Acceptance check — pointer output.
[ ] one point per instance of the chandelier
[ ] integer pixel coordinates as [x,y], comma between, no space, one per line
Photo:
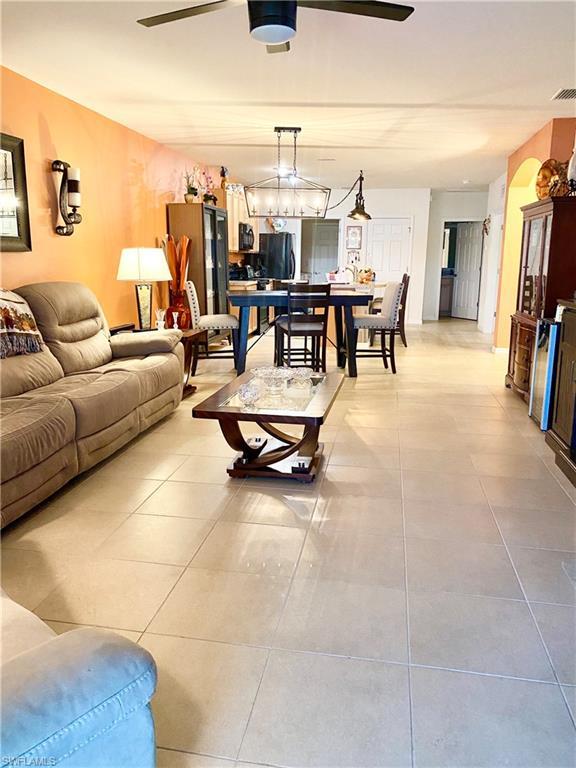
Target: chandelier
[287,195]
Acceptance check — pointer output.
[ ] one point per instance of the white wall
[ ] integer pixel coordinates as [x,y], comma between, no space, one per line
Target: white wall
[491,256]
[446,206]
[392,203]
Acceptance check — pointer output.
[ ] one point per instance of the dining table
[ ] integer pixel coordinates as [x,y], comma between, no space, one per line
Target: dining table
[343,300]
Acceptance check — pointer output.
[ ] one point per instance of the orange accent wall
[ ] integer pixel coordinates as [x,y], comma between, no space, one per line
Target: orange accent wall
[555,139]
[126,181]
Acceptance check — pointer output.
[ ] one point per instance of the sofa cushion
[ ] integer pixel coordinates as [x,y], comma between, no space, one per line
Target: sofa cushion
[26,372]
[32,430]
[71,322]
[155,373]
[24,491]
[98,400]
[21,629]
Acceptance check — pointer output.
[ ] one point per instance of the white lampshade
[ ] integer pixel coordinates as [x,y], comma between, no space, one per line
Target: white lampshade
[143,264]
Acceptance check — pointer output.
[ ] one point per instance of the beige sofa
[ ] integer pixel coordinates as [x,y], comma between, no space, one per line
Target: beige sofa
[80,399]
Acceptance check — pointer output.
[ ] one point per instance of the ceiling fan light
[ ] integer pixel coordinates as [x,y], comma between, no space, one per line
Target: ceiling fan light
[272,22]
[273,34]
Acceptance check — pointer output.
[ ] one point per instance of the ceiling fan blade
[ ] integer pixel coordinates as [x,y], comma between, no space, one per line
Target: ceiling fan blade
[373,8]
[185,13]
[280,48]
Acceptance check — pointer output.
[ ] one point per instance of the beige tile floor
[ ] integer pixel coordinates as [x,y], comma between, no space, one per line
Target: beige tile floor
[416,606]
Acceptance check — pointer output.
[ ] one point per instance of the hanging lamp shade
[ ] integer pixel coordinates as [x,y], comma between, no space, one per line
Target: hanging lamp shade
[359,213]
[287,195]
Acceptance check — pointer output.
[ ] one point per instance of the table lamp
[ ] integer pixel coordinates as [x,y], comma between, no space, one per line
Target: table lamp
[144,266]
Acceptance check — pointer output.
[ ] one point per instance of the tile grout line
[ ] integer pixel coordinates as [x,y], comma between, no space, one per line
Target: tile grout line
[408,641]
[278,622]
[540,635]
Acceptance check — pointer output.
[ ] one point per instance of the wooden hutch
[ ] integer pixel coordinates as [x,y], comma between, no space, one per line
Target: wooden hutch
[547,274]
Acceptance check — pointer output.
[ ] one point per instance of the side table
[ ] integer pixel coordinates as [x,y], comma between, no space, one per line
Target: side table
[192,339]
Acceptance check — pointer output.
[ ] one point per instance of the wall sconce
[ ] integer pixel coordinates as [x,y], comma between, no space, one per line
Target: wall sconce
[68,197]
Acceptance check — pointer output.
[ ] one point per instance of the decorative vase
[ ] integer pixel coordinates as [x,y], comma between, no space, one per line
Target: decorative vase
[189,197]
[178,305]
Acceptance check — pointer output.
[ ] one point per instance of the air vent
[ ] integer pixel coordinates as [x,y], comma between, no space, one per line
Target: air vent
[564,93]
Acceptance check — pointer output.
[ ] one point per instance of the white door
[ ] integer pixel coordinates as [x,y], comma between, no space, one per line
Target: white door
[467,269]
[388,248]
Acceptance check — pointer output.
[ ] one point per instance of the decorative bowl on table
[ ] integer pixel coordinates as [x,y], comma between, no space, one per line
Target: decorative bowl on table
[274,379]
[250,393]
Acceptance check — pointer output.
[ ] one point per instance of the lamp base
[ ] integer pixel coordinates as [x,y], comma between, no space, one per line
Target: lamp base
[144,302]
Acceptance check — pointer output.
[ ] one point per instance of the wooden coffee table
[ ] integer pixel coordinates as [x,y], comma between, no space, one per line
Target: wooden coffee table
[280,455]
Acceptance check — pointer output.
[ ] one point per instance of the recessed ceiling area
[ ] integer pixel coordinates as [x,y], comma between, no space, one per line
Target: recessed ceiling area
[440,98]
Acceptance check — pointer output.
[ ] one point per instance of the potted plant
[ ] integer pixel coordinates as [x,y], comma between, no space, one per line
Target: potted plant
[191,189]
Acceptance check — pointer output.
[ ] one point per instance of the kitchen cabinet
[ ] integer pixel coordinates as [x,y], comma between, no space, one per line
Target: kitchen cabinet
[234,202]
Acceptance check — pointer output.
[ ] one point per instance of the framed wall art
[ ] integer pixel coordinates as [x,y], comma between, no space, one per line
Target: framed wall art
[14,218]
[353,238]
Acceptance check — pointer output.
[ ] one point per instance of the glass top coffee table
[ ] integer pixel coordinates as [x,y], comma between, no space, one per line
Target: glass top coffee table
[279,455]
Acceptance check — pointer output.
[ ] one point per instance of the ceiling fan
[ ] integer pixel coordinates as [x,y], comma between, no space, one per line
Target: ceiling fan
[273,22]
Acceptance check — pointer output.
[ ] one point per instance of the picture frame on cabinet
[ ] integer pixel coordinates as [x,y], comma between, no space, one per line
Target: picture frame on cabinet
[14,217]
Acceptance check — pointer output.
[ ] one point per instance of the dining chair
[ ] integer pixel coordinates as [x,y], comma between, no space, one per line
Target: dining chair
[306,318]
[216,322]
[377,303]
[386,322]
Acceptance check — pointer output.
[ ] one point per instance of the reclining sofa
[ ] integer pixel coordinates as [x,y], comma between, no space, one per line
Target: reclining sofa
[80,699]
[83,396]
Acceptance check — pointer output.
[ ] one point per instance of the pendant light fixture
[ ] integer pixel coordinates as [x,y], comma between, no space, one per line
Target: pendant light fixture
[286,195]
[359,212]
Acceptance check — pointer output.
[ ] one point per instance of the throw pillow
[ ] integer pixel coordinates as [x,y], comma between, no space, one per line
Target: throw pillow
[19,334]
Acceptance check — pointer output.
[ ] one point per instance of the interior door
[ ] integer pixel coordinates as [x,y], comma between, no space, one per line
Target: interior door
[467,269]
[388,249]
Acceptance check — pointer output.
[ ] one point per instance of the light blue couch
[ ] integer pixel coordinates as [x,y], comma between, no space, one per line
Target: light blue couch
[78,699]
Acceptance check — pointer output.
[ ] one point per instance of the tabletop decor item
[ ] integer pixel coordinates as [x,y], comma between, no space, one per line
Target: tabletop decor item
[160,319]
[191,193]
[143,266]
[551,180]
[14,222]
[249,393]
[177,258]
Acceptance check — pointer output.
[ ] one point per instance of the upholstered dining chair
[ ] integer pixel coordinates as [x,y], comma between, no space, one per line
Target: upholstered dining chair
[386,322]
[306,318]
[375,308]
[218,322]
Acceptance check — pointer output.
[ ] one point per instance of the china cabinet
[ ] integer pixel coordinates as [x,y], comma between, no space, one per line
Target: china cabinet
[547,274]
[207,228]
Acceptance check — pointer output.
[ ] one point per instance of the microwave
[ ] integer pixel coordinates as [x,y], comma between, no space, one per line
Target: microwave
[245,237]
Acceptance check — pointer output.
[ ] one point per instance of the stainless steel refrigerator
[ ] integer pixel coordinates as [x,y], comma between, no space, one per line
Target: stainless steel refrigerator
[276,256]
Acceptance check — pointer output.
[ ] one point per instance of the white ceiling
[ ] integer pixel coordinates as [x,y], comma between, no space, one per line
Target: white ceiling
[442,97]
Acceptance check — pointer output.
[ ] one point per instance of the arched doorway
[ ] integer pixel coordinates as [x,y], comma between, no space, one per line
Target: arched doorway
[521,191]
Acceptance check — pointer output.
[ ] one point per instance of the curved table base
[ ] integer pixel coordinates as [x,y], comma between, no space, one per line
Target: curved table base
[286,455]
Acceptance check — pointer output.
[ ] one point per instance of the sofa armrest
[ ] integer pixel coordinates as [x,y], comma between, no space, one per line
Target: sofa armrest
[145,343]
[60,696]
